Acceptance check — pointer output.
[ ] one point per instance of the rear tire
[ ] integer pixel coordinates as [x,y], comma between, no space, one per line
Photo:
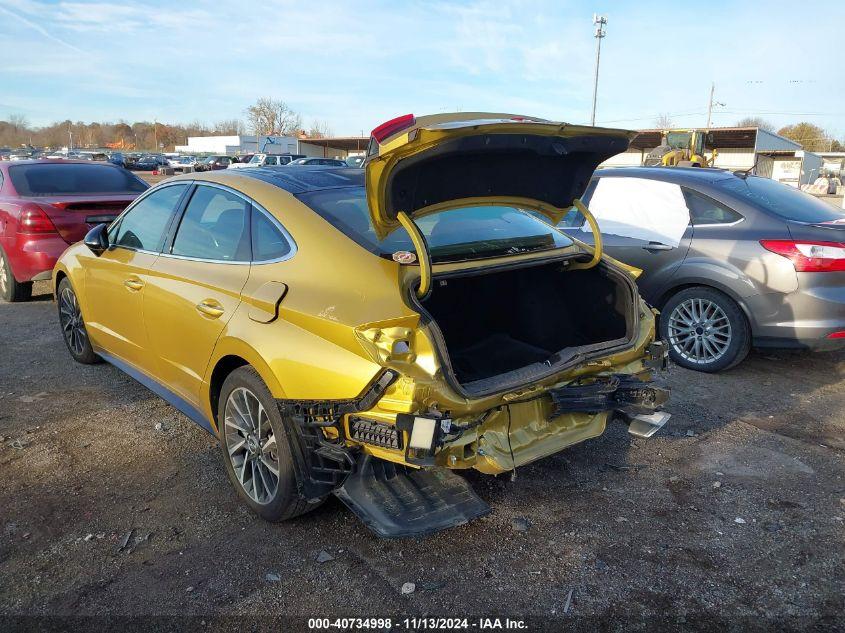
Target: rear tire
[254,442]
[74,332]
[705,329]
[12,290]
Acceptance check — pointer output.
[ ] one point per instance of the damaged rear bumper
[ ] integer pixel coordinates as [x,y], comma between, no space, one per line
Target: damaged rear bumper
[627,394]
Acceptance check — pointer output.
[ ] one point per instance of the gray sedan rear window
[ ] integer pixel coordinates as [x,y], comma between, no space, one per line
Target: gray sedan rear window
[783,200]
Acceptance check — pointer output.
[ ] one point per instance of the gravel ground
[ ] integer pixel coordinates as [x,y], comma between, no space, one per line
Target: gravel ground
[114,504]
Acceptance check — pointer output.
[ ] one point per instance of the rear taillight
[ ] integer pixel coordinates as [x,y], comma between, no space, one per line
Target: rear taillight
[836,335]
[809,257]
[34,220]
[388,128]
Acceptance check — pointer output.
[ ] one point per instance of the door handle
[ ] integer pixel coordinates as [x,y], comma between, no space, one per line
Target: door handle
[210,308]
[657,246]
[133,283]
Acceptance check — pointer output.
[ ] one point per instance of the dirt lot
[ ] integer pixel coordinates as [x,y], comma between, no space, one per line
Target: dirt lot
[734,513]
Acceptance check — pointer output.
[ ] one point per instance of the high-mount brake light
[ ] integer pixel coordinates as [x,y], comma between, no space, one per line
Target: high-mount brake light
[389,128]
[34,220]
[809,257]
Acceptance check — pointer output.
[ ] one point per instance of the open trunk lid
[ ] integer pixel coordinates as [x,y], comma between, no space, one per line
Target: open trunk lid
[419,166]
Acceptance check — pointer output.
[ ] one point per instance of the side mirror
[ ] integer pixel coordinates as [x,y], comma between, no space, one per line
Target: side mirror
[97,239]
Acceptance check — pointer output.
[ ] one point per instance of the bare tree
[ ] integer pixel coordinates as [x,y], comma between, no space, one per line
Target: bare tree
[229,126]
[18,122]
[756,121]
[273,117]
[663,122]
[320,129]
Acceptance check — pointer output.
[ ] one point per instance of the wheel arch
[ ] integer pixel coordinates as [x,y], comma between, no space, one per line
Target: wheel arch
[57,279]
[229,355]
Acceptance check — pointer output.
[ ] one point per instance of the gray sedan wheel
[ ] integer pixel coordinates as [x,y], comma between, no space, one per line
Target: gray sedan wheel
[705,330]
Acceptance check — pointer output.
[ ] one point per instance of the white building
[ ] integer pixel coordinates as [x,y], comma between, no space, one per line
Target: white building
[243,144]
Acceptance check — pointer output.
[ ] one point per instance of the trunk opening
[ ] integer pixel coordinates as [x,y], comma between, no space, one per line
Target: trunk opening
[509,326]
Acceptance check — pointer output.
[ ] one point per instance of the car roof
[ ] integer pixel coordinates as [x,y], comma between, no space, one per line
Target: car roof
[679,175]
[300,180]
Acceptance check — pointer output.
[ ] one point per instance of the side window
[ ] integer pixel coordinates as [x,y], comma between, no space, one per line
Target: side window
[213,227]
[144,225]
[705,210]
[573,218]
[268,242]
[641,209]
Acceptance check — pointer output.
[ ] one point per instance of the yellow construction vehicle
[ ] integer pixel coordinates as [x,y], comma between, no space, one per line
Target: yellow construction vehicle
[683,148]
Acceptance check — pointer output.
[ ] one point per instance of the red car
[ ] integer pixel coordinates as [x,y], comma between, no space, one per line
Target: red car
[45,205]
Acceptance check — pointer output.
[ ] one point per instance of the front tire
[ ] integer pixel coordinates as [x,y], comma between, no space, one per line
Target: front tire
[256,452]
[73,326]
[11,290]
[705,329]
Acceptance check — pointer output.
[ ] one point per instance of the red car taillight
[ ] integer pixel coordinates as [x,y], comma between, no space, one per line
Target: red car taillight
[809,257]
[388,128]
[34,220]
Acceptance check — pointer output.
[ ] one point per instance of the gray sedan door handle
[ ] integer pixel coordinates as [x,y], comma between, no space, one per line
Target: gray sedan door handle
[657,246]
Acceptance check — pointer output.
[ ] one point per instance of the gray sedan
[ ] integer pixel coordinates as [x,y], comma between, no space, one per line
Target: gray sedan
[731,260]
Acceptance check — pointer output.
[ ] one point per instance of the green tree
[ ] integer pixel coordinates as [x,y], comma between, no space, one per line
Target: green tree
[812,137]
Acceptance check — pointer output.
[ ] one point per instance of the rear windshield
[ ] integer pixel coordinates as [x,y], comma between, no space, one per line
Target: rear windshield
[73,179]
[783,200]
[459,234]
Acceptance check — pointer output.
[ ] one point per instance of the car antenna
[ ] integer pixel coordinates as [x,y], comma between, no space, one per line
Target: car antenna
[744,173]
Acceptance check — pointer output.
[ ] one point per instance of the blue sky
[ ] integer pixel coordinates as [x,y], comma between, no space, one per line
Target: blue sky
[355,64]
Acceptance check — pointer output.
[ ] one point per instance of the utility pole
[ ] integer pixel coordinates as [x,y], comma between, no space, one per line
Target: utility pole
[70,138]
[712,103]
[155,134]
[600,21]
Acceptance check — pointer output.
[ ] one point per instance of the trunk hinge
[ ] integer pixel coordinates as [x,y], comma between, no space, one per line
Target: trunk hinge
[421,246]
[594,227]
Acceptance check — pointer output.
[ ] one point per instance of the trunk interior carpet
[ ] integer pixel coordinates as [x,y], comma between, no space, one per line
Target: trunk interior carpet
[394,501]
[496,354]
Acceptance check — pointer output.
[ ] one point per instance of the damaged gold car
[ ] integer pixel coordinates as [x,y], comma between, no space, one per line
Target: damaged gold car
[364,333]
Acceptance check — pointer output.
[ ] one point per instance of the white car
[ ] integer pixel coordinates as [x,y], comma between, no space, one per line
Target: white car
[264,160]
[179,163]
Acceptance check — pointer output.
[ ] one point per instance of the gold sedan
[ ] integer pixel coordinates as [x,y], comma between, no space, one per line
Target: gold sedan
[365,333]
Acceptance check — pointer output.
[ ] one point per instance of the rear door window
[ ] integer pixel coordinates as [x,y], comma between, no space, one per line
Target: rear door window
[640,208]
[268,241]
[144,225]
[214,227]
[706,211]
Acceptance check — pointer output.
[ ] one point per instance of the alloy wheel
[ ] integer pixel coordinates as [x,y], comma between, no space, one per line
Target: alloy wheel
[251,445]
[73,327]
[699,331]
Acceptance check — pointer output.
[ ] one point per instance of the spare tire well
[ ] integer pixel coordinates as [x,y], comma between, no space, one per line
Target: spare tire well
[222,369]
